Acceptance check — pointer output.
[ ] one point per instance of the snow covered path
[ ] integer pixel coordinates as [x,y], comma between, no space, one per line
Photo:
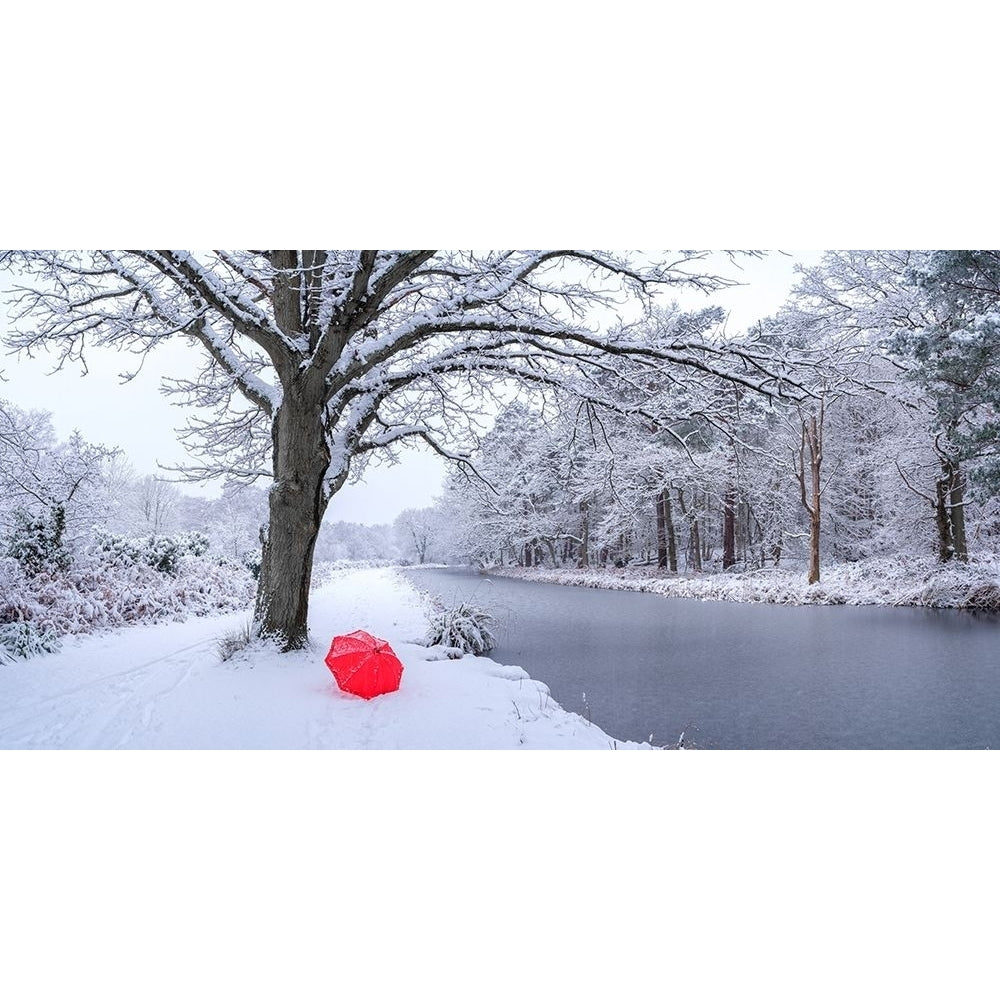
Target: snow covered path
[164,687]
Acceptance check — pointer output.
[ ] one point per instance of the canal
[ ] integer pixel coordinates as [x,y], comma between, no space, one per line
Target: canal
[749,676]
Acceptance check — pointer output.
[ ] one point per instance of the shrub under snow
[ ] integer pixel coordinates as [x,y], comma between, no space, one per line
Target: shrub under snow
[163,552]
[26,639]
[465,626]
[36,541]
[96,593]
[236,640]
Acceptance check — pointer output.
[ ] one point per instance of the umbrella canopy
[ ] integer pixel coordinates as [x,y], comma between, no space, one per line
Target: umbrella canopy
[364,665]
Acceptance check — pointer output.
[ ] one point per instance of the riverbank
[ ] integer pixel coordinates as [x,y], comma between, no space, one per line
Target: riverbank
[165,686]
[915,583]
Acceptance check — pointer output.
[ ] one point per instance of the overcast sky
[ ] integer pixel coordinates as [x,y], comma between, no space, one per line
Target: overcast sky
[137,418]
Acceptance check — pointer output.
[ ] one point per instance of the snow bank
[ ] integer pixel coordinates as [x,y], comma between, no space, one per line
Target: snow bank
[163,686]
[919,583]
[326,570]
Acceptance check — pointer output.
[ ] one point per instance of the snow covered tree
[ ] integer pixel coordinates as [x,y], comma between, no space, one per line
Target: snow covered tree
[58,482]
[418,531]
[352,542]
[314,359]
[154,502]
[933,314]
[513,491]
[958,356]
[809,461]
[236,521]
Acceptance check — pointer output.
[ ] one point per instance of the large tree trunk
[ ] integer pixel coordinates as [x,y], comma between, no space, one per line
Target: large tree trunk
[296,506]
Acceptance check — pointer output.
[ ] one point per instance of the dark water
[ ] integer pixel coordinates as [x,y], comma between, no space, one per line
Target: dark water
[748,676]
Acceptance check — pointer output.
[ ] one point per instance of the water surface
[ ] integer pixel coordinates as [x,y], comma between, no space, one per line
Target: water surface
[732,675]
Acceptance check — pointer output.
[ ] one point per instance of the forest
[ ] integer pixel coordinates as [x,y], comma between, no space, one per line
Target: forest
[854,429]
[893,455]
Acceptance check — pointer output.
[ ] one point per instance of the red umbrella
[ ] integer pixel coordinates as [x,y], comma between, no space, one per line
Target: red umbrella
[364,665]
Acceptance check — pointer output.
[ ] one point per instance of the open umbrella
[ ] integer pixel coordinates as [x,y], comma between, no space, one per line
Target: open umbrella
[364,665]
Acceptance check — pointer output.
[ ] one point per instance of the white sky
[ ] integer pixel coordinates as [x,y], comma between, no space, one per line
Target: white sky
[136,417]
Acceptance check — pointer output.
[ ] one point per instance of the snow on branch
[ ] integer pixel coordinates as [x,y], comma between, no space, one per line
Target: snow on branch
[256,390]
[393,335]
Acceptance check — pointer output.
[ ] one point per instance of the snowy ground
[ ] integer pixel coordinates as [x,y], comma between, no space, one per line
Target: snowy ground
[164,687]
[916,582]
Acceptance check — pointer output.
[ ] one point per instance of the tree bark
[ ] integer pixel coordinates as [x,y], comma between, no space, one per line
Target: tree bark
[956,508]
[584,560]
[661,532]
[729,528]
[296,505]
[814,525]
[949,511]
[812,438]
[946,547]
[624,549]
[668,518]
[552,551]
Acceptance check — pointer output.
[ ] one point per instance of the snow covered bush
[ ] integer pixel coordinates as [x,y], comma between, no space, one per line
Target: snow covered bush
[21,640]
[162,552]
[194,543]
[36,541]
[469,628]
[101,591]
